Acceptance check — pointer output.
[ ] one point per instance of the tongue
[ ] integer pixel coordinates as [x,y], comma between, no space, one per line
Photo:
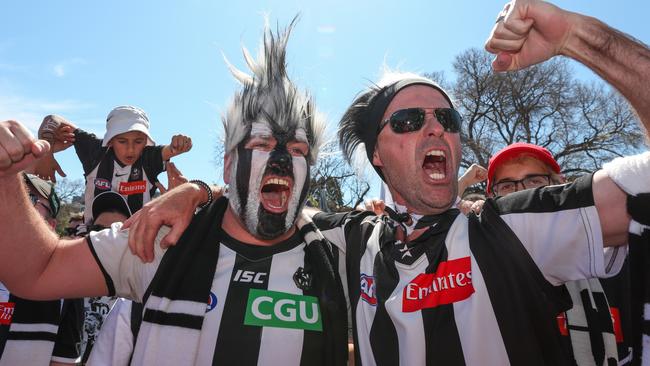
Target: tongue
[434,166]
[276,198]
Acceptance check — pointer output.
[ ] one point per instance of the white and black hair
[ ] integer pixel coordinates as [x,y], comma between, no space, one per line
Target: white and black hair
[268,95]
[359,126]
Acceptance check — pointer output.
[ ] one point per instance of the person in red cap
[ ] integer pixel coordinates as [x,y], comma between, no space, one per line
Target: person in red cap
[521,166]
[596,327]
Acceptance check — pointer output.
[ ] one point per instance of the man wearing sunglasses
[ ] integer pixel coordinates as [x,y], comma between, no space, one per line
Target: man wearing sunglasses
[429,286]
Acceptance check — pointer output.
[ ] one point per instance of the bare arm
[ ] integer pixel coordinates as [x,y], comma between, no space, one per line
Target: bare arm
[473,175]
[179,145]
[35,263]
[612,211]
[175,209]
[533,31]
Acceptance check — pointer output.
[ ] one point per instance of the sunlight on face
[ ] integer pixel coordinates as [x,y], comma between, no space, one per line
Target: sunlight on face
[128,146]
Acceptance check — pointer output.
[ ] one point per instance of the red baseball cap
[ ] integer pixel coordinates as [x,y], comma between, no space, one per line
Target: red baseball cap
[515,149]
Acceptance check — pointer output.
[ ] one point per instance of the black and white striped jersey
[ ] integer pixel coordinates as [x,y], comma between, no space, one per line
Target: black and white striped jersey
[103,172]
[256,312]
[39,332]
[475,291]
[114,343]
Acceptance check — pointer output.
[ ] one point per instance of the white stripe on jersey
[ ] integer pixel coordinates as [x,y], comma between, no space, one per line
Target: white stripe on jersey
[274,339]
[34,327]
[212,320]
[175,306]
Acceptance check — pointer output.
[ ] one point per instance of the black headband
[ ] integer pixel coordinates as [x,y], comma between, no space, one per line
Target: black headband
[377,107]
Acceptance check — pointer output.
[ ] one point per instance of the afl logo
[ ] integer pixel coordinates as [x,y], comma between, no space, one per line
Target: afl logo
[103,184]
[212,302]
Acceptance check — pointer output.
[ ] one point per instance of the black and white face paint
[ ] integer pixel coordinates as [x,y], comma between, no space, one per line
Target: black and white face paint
[268,186]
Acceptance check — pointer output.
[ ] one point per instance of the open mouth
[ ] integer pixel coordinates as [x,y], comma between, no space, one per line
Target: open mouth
[275,194]
[435,164]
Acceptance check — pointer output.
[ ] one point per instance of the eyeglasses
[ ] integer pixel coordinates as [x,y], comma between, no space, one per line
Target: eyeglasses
[52,210]
[412,119]
[505,187]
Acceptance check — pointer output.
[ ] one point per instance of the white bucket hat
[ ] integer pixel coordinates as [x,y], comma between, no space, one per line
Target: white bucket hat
[126,118]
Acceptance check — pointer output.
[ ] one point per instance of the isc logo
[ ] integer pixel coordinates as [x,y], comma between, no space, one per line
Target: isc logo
[282,310]
[249,276]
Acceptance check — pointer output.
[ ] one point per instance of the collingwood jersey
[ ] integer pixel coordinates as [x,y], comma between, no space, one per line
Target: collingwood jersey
[474,291]
[257,312]
[103,172]
[38,332]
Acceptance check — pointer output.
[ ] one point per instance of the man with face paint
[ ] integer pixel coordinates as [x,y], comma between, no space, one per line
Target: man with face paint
[253,281]
[430,286]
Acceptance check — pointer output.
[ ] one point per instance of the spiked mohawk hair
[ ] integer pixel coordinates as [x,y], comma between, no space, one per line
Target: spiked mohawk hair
[268,95]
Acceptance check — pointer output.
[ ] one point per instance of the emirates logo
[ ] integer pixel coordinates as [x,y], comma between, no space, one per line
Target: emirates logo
[452,282]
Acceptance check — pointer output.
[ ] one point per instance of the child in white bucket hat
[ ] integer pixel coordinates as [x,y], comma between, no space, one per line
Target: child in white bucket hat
[126,160]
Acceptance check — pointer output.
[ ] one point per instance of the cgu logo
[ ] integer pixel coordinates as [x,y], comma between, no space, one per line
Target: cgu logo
[249,276]
[282,310]
[368,289]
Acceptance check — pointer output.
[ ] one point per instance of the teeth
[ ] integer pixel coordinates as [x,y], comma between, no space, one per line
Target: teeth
[279,181]
[436,153]
[284,198]
[437,175]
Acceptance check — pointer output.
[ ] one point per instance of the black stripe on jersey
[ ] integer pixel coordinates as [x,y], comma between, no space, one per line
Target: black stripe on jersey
[70,330]
[32,336]
[232,331]
[639,261]
[443,345]
[520,295]
[4,334]
[599,320]
[313,341]
[383,336]
[549,199]
[173,319]
[107,278]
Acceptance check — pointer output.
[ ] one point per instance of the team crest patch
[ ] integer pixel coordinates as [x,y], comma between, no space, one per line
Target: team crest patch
[6,312]
[103,184]
[451,282]
[302,279]
[212,302]
[367,284]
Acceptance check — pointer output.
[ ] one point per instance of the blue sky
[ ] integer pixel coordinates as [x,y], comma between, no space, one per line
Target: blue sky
[80,59]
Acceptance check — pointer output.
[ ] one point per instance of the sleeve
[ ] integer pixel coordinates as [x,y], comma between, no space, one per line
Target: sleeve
[68,339]
[124,273]
[114,345]
[88,148]
[152,161]
[336,227]
[560,228]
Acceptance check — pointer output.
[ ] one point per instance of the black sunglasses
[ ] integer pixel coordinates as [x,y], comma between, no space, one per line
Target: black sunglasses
[412,119]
